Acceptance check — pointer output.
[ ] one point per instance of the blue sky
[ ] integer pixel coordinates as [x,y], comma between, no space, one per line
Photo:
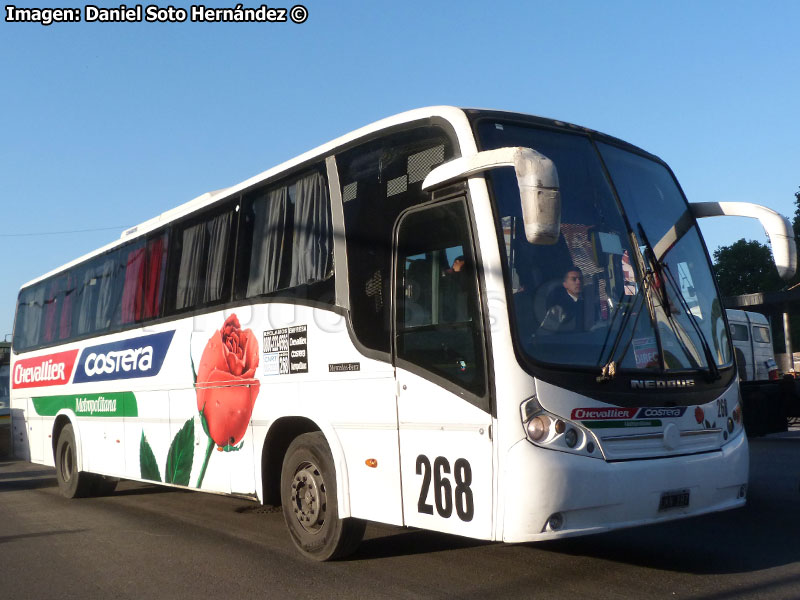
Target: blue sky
[106,125]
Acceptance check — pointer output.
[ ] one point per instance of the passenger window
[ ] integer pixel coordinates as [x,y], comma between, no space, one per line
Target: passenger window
[379,180]
[761,334]
[438,320]
[286,239]
[202,261]
[739,332]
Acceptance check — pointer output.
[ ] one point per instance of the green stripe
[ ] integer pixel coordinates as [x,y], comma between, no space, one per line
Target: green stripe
[621,424]
[112,404]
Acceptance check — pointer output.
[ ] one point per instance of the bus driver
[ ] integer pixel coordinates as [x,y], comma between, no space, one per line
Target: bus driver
[566,308]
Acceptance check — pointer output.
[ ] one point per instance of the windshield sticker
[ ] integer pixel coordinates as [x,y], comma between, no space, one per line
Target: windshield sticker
[645,351]
[628,275]
[126,359]
[114,404]
[688,290]
[610,243]
[51,369]
[285,351]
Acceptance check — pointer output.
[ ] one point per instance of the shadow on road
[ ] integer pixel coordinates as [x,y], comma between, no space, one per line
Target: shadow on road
[411,542]
[13,538]
[144,489]
[18,474]
[17,485]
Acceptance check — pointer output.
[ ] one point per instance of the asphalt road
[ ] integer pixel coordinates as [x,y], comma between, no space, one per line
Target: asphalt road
[151,542]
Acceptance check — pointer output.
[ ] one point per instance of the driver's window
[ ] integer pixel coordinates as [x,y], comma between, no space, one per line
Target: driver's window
[438,323]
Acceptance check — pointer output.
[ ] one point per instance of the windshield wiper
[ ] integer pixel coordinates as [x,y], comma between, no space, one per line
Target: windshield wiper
[609,369]
[660,271]
[713,369]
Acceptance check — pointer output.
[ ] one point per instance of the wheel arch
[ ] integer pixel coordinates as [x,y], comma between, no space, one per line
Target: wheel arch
[281,433]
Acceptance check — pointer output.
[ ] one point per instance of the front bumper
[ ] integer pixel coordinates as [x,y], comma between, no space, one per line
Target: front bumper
[592,495]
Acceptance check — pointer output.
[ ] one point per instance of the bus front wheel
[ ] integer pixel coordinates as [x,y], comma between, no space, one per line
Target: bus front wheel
[309,501]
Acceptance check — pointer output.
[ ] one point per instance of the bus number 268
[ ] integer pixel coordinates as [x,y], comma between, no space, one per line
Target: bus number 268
[445,496]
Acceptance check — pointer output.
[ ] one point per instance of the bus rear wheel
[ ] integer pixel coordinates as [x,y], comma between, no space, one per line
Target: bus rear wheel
[310,503]
[74,483]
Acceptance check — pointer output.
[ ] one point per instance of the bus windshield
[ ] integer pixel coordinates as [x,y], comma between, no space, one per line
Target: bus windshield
[628,283]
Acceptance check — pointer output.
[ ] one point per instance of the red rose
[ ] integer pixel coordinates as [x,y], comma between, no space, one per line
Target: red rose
[226,384]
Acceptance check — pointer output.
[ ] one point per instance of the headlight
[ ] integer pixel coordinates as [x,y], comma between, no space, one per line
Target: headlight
[547,430]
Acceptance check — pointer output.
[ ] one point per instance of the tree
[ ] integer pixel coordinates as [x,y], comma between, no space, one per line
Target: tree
[746,267]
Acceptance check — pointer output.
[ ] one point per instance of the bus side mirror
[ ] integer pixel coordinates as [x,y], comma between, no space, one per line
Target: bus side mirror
[537,179]
[777,227]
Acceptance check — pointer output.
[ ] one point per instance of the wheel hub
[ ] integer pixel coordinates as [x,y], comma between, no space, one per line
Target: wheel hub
[309,498]
[66,462]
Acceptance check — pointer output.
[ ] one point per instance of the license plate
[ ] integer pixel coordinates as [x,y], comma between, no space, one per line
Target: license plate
[677,499]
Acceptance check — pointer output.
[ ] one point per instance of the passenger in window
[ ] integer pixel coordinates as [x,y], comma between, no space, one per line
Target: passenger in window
[455,289]
[458,266]
[566,307]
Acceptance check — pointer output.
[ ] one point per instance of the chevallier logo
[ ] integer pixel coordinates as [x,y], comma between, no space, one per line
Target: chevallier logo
[41,371]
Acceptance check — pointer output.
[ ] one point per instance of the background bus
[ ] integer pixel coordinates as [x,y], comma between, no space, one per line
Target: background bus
[5,400]
[467,321]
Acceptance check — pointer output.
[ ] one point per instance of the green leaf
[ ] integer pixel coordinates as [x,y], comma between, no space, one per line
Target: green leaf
[147,461]
[203,422]
[181,455]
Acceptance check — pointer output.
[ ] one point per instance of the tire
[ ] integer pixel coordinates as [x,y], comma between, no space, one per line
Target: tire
[310,503]
[71,482]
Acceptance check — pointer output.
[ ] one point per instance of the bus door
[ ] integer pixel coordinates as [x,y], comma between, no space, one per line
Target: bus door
[443,411]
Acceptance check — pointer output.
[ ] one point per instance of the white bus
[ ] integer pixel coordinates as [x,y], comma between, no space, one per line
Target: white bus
[481,323]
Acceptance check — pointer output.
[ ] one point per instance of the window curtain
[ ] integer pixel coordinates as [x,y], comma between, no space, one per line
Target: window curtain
[53,301]
[192,255]
[219,232]
[312,240]
[154,278]
[268,244]
[204,257]
[105,294]
[65,326]
[132,286]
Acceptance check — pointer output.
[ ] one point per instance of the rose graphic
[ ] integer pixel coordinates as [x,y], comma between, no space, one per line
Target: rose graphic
[226,387]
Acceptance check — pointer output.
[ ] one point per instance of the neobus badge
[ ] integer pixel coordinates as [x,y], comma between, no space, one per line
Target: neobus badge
[126,359]
[51,369]
[652,384]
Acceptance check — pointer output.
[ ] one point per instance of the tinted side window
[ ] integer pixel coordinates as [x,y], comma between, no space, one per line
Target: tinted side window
[201,260]
[379,180]
[739,332]
[761,334]
[142,280]
[438,313]
[286,238]
[29,317]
